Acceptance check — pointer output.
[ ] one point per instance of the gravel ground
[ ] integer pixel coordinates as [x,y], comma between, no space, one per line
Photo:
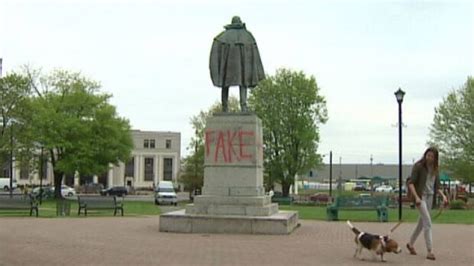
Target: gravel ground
[137,241]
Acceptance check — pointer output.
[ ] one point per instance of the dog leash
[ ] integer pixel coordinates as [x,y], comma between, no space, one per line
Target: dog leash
[396,226]
[440,211]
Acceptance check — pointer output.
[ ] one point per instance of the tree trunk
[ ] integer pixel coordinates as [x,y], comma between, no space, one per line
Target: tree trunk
[58,179]
[285,187]
[287,183]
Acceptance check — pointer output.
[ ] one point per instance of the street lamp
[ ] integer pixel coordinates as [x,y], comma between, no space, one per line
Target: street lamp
[41,176]
[330,174]
[195,160]
[399,95]
[10,123]
[11,159]
[330,171]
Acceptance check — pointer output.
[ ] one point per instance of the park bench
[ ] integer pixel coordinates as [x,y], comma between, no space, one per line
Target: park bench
[19,202]
[359,203]
[99,203]
[282,200]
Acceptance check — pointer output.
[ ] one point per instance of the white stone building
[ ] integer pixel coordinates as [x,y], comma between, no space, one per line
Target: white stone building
[155,156]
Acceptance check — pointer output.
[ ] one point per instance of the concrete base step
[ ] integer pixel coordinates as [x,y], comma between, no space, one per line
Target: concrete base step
[283,222]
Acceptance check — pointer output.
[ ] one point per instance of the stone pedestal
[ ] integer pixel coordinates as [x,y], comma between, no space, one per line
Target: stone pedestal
[233,195]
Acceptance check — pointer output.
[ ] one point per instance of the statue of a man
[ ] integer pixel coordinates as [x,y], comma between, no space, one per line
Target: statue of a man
[235,61]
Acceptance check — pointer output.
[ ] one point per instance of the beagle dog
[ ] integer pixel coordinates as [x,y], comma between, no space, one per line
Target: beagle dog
[376,244]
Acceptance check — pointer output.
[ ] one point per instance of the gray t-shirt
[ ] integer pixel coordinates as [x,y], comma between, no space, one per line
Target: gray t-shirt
[429,185]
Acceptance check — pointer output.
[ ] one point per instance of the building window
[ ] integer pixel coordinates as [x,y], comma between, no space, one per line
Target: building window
[24,171]
[69,180]
[168,144]
[130,168]
[45,170]
[86,179]
[6,168]
[168,169]
[145,143]
[149,169]
[310,173]
[152,143]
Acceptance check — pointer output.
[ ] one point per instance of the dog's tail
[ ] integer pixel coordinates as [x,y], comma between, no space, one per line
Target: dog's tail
[355,230]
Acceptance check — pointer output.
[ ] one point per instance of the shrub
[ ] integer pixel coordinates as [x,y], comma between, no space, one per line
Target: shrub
[457,205]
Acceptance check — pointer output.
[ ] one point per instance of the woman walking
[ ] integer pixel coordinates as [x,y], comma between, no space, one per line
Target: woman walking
[423,185]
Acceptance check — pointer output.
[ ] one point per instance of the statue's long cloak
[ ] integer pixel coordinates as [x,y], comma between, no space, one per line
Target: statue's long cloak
[235,60]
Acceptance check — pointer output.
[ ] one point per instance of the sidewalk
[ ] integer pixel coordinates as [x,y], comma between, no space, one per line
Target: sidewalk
[137,241]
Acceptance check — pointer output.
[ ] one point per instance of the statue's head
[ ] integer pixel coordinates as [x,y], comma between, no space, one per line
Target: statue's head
[236,24]
[236,20]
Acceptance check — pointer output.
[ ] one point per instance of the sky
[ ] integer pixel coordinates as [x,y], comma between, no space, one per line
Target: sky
[153,57]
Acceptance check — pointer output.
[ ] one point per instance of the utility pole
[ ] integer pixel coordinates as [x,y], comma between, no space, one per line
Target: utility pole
[340,175]
[41,176]
[330,174]
[371,166]
[11,160]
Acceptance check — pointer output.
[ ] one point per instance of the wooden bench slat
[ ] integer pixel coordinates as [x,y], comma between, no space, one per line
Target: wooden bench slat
[19,202]
[99,203]
[358,203]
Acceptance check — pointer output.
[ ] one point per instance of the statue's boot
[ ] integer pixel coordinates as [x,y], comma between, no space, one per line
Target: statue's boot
[225,99]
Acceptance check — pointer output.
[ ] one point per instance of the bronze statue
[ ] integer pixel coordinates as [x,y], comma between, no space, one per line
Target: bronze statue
[235,61]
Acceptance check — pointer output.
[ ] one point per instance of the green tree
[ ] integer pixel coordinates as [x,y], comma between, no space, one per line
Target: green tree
[74,121]
[452,131]
[193,174]
[291,109]
[14,92]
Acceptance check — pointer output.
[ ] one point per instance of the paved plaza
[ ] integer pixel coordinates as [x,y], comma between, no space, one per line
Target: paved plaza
[137,241]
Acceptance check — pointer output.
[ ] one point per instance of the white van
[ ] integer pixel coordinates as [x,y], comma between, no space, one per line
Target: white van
[164,193]
[5,183]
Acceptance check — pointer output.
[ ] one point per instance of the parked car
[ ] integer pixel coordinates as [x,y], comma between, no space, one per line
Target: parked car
[67,191]
[360,187]
[48,192]
[114,191]
[320,198]
[404,191]
[164,193]
[5,183]
[384,188]
[94,188]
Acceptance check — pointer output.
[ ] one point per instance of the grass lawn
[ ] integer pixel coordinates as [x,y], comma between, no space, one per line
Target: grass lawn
[48,210]
[408,215]
[141,208]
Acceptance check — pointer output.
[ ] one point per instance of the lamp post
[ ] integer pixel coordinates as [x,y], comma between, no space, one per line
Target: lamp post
[330,174]
[41,175]
[11,160]
[399,95]
[195,161]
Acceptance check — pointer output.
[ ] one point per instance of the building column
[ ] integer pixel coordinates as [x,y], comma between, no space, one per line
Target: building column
[49,173]
[76,179]
[141,177]
[110,175]
[296,184]
[160,167]
[136,170]
[156,170]
[175,168]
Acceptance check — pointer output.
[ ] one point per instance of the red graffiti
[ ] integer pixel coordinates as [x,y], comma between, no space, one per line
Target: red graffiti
[231,145]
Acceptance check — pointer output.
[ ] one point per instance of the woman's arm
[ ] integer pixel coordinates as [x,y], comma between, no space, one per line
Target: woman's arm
[412,189]
[445,199]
